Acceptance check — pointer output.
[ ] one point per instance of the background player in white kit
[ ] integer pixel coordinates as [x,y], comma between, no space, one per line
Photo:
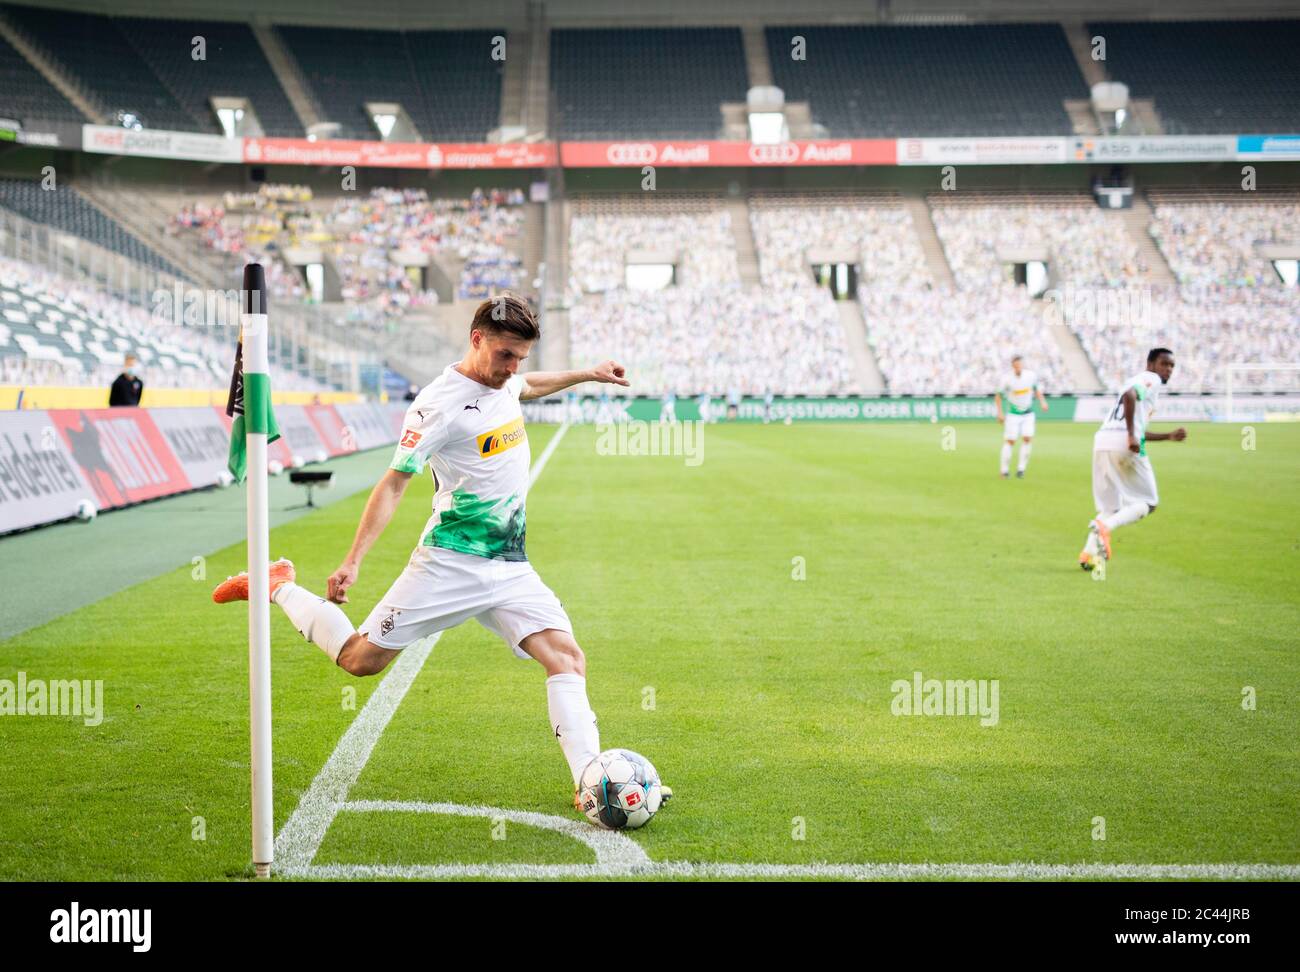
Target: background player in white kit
[470,561]
[1019,388]
[1123,482]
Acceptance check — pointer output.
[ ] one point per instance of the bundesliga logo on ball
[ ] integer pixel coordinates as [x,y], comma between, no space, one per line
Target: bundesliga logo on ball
[620,790]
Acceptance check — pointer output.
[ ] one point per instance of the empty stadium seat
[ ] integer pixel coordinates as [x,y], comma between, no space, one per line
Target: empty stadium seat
[645,82]
[877,81]
[1208,77]
[445,79]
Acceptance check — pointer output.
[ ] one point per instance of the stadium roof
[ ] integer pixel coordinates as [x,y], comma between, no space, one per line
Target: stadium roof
[576,13]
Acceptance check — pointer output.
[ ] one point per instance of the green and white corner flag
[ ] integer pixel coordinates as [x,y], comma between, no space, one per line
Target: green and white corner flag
[249,403]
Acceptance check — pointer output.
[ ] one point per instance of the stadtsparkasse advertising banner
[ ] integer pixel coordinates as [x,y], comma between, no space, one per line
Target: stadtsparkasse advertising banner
[399,155]
[847,151]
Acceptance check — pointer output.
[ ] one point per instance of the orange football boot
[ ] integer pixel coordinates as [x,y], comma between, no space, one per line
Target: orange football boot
[236,588]
[1103,537]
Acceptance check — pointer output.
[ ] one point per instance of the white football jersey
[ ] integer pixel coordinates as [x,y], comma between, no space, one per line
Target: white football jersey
[1018,391]
[1113,434]
[473,439]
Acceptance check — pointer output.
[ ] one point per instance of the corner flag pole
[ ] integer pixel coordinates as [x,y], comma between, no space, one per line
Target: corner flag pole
[253,324]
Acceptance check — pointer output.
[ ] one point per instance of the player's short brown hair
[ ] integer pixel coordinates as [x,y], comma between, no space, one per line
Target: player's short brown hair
[506,314]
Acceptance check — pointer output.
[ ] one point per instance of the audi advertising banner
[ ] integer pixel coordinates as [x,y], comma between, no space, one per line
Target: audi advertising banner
[851,151]
[39,480]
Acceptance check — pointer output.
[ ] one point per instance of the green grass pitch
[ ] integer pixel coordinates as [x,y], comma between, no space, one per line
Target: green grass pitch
[765,700]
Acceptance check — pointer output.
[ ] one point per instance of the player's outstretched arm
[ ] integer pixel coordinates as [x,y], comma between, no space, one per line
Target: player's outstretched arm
[539,384]
[1042,402]
[1129,404]
[378,512]
[1177,435]
[997,405]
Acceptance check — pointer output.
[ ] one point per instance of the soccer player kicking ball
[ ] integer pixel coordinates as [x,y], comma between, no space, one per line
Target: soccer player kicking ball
[1123,482]
[470,563]
[1019,387]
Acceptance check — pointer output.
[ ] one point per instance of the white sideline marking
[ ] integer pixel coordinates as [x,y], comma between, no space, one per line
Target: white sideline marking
[301,836]
[839,872]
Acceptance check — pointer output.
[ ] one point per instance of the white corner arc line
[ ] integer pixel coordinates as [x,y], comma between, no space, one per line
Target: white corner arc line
[303,832]
[614,851]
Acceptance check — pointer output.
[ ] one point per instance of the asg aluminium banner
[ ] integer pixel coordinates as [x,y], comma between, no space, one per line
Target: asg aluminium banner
[1155,148]
[39,480]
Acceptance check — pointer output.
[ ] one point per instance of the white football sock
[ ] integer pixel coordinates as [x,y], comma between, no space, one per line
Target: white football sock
[318,620]
[1125,515]
[1025,447]
[572,721]
[1006,456]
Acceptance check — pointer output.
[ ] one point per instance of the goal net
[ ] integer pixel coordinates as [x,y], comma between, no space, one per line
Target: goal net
[1262,392]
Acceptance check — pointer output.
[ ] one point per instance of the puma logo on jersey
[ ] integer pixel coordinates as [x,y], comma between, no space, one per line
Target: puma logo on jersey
[500,439]
[474,407]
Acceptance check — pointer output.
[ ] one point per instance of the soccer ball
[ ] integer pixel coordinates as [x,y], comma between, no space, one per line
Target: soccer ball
[620,790]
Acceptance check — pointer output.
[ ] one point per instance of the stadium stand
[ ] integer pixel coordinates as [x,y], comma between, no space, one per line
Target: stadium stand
[53,331]
[876,81]
[716,339]
[25,94]
[1082,245]
[952,341]
[445,79]
[96,51]
[234,66]
[646,82]
[1210,238]
[480,234]
[872,227]
[65,209]
[706,333]
[1210,76]
[693,231]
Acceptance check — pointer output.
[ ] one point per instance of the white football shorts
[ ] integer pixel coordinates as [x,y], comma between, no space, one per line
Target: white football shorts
[1018,426]
[441,588]
[1121,478]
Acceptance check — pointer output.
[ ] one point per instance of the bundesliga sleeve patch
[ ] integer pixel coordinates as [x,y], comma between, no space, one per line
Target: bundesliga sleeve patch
[410,438]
